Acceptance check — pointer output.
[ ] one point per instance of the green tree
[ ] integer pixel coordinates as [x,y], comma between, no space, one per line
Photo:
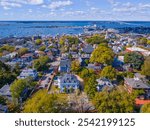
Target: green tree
[90,86]
[38,42]
[103,55]
[148,42]
[65,89]
[145,108]
[18,86]
[146,67]
[71,40]
[7,48]
[115,101]
[2,100]
[42,48]
[7,75]
[109,72]
[142,41]
[86,73]
[96,39]
[22,51]
[41,63]
[42,102]
[135,59]
[75,66]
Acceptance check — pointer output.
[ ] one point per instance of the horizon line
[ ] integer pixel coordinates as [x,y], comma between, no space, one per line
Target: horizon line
[74,20]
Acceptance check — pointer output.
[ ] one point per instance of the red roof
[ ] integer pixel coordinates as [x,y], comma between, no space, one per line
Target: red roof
[141,102]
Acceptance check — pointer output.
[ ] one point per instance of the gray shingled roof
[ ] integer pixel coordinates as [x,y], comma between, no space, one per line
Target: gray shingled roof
[65,63]
[136,84]
[88,49]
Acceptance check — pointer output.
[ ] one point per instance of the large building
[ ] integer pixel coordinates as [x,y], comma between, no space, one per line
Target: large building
[68,82]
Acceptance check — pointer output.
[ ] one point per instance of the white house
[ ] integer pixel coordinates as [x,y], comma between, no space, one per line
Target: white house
[68,82]
[28,73]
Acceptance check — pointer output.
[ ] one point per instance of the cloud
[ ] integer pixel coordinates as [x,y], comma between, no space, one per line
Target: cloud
[8,4]
[144,6]
[35,2]
[131,8]
[125,7]
[58,4]
[113,2]
[30,10]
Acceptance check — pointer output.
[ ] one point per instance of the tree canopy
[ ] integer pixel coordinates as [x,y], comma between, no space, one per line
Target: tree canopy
[42,102]
[75,66]
[38,42]
[7,48]
[103,55]
[7,75]
[70,39]
[146,67]
[115,101]
[96,39]
[135,59]
[42,48]
[145,108]
[143,41]
[22,51]
[18,86]
[90,86]
[109,72]
[2,100]
[41,63]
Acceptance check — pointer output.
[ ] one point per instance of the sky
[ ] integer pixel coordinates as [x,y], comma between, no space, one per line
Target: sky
[53,10]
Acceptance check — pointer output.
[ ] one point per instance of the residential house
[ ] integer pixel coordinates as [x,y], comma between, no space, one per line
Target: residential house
[104,83]
[137,83]
[5,91]
[65,65]
[95,67]
[27,57]
[68,82]
[10,55]
[88,49]
[28,73]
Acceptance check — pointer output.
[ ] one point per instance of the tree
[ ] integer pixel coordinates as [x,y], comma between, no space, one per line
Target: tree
[96,39]
[146,67]
[71,40]
[115,101]
[41,63]
[86,73]
[7,48]
[103,55]
[90,86]
[148,42]
[135,59]
[42,48]
[22,51]
[7,75]
[18,86]
[109,72]
[75,66]
[42,102]
[38,42]
[145,108]
[142,41]
[2,100]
